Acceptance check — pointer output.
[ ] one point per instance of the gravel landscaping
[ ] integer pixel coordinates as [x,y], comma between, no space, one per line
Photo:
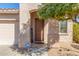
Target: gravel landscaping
[64,49]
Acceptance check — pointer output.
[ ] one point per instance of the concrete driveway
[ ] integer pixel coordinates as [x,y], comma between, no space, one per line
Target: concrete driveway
[8,51]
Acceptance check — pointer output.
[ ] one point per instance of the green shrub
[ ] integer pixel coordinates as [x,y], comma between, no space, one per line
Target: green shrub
[76,32]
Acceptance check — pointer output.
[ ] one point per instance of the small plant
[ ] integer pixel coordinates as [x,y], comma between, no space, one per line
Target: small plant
[76,32]
[60,49]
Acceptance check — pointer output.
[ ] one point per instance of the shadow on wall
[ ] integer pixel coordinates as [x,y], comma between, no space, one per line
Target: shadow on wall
[53,32]
[17,31]
[16,35]
[23,36]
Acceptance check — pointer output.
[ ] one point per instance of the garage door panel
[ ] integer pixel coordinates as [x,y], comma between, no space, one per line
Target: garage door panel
[7,34]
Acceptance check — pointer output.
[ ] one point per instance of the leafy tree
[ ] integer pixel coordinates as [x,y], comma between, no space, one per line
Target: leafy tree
[58,11]
[76,32]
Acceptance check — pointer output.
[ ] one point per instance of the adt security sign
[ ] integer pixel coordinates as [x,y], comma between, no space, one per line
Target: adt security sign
[27,45]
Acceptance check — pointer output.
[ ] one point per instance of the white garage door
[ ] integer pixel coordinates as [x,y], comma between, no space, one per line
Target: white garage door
[7,34]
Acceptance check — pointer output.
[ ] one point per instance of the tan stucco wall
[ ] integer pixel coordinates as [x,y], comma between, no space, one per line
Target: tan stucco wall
[25,18]
[24,12]
[67,37]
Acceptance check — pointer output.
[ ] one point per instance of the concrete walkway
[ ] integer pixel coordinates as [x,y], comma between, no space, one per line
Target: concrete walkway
[34,51]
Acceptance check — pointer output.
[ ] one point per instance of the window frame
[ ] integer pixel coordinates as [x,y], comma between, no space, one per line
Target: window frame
[60,28]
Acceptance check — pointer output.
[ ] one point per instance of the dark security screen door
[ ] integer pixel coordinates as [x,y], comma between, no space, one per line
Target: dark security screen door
[39,31]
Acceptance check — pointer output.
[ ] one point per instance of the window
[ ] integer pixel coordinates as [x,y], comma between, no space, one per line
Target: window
[63,26]
[77,18]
